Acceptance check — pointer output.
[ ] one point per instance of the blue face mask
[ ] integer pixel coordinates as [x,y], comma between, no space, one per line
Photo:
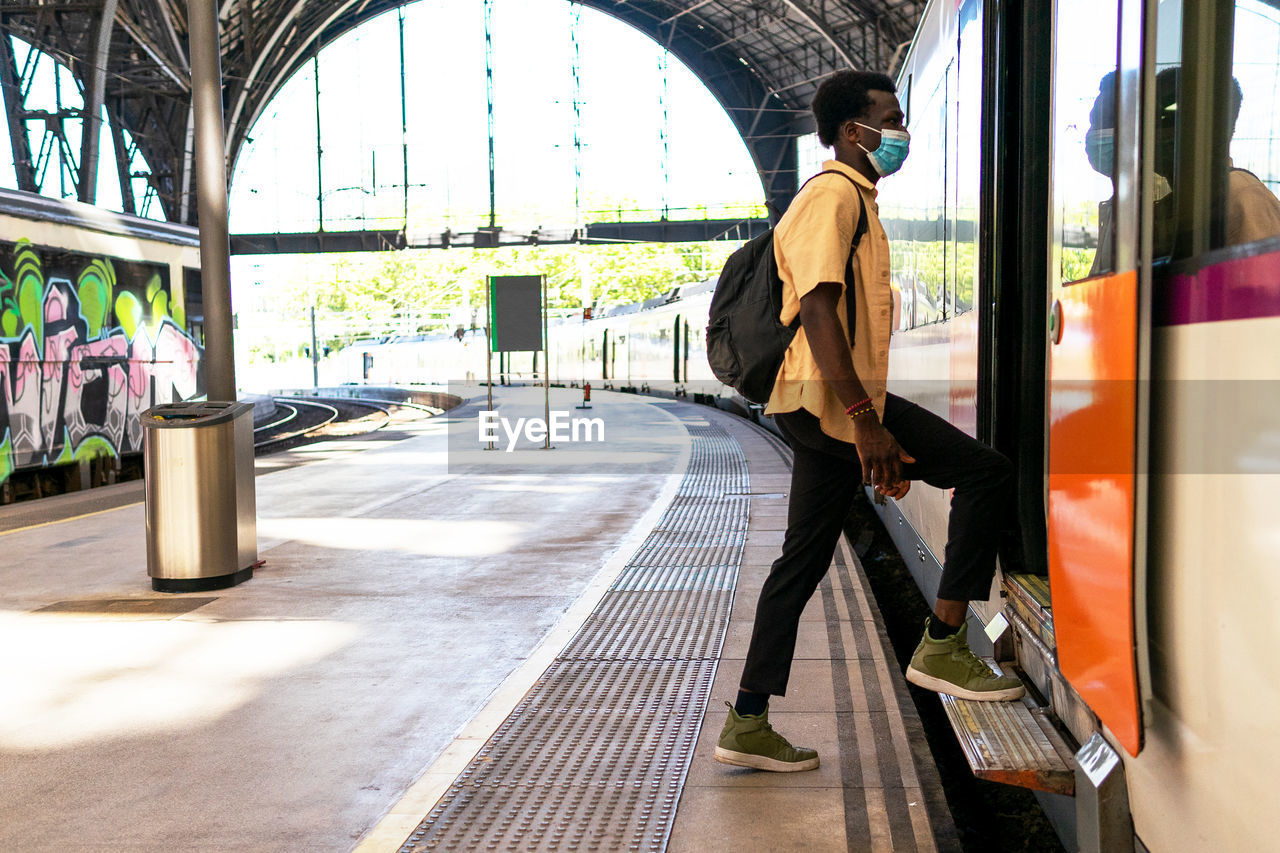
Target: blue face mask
[1100,148]
[888,157]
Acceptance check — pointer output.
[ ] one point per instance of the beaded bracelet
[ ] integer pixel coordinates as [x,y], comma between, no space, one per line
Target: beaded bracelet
[861,411]
[852,410]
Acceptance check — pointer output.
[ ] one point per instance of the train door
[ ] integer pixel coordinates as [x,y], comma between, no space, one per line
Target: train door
[604,355]
[686,351]
[675,361]
[1211,751]
[1096,414]
[620,358]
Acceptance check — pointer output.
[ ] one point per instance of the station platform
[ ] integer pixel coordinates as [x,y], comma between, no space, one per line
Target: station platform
[450,648]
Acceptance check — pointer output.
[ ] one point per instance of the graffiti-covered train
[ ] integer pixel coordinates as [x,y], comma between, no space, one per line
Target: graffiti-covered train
[100,319]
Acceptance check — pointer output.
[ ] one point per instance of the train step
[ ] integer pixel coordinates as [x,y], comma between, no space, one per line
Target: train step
[1028,598]
[1014,743]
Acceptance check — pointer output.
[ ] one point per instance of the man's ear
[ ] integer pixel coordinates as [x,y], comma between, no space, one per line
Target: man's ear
[851,132]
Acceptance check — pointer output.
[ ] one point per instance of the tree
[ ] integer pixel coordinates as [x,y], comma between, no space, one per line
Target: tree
[411,291]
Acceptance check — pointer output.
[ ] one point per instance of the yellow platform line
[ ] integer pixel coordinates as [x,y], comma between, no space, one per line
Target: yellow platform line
[69,518]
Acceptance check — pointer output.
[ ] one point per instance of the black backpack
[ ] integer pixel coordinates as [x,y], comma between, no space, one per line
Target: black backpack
[745,339]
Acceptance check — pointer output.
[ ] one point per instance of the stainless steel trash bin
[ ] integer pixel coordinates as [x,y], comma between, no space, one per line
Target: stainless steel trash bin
[202,523]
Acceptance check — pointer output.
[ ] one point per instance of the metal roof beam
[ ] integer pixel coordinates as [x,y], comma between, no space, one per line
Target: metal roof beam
[166,14]
[152,50]
[251,79]
[820,25]
[683,12]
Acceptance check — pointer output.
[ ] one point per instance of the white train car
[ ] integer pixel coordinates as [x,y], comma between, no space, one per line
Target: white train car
[658,346]
[1087,237]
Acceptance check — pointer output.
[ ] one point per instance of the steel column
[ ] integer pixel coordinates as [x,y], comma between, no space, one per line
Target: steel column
[319,147]
[575,39]
[14,108]
[404,124]
[780,183]
[188,167]
[124,165]
[91,121]
[488,81]
[211,198]
[315,352]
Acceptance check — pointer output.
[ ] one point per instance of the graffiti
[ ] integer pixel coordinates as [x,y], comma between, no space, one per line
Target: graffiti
[86,345]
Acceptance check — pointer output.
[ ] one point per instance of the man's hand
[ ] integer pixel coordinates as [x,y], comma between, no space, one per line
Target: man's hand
[896,492]
[881,457]
[879,453]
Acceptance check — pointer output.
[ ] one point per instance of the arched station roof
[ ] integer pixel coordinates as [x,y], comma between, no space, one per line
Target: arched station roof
[762,59]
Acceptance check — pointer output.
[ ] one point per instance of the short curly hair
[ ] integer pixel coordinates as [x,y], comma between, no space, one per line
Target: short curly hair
[843,96]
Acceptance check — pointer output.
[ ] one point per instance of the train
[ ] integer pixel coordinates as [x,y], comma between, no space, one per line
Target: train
[1094,289]
[1085,245]
[656,346]
[100,319]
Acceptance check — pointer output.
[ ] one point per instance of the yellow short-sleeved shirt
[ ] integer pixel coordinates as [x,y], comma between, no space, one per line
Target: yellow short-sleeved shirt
[811,245]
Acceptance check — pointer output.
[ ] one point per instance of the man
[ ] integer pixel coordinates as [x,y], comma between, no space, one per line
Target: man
[1252,210]
[830,403]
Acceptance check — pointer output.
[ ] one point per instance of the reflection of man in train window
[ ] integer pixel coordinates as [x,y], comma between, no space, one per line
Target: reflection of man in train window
[1253,211]
[1100,148]
[831,402]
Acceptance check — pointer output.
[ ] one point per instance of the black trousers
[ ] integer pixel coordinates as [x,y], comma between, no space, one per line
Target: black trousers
[825,478]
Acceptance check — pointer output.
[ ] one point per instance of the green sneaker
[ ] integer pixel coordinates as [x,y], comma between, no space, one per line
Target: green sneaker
[948,666]
[750,741]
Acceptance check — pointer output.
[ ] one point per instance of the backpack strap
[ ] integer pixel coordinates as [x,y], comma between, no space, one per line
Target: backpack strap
[859,232]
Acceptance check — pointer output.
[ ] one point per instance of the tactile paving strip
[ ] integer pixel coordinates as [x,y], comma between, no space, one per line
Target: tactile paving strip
[595,756]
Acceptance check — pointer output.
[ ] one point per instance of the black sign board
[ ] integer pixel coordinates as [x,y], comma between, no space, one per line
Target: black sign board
[515,313]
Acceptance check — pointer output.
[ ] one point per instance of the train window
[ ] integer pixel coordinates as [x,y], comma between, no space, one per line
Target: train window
[929,240]
[966,138]
[1253,131]
[1217,130]
[1084,90]
[1168,57]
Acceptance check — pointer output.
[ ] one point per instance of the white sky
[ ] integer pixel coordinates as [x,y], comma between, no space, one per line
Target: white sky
[622,95]
[621,126]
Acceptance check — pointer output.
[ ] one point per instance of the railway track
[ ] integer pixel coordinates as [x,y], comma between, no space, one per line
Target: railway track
[298,421]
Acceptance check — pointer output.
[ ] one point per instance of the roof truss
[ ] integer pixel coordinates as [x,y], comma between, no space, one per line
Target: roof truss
[762,59]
